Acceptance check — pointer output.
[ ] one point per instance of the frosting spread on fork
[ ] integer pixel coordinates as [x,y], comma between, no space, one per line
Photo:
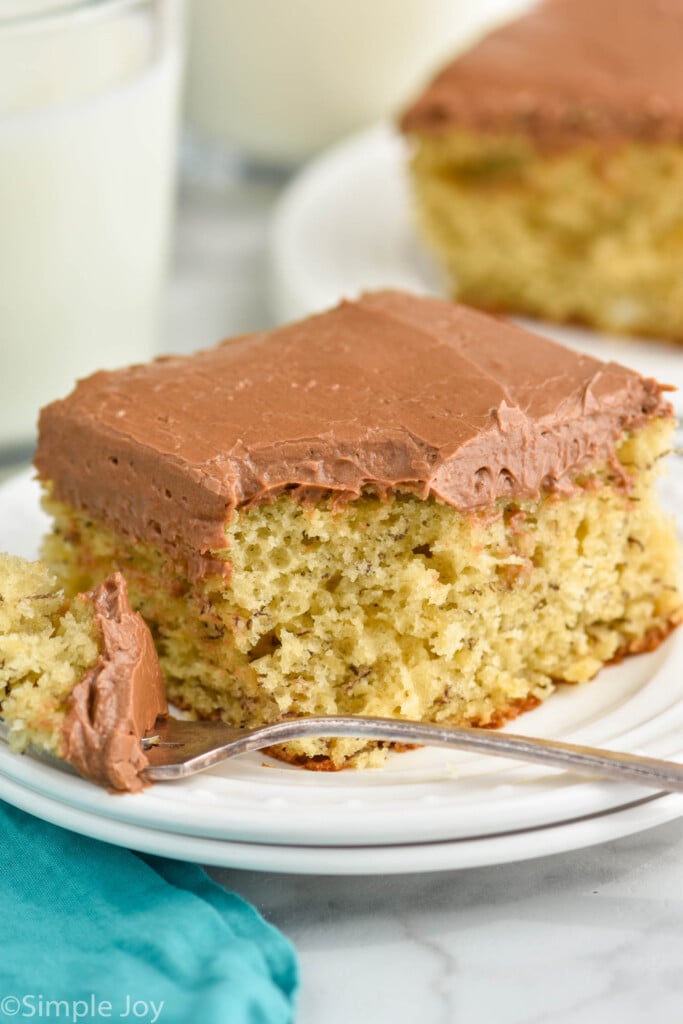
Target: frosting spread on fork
[119,698]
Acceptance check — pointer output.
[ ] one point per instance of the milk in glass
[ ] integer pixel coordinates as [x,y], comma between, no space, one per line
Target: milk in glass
[88,102]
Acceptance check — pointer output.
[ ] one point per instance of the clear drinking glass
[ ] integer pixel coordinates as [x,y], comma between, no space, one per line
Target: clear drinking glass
[88,121]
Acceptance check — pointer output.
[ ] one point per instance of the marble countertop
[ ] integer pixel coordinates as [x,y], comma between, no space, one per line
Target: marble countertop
[590,936]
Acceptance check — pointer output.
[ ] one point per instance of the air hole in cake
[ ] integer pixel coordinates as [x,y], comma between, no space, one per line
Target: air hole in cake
[281,557]
[582,531]
[333,582]
[268,643]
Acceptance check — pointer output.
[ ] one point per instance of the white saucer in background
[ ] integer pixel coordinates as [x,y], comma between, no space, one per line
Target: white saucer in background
[345,225]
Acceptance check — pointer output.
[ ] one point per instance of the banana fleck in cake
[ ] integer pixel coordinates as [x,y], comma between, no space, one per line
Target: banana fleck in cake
[548,166]
[399,507]
[80,678]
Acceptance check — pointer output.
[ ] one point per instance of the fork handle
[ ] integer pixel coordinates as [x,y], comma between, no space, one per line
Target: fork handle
[644,771]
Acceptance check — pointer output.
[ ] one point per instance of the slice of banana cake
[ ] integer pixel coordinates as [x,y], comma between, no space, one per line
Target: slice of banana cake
[398,507]
[548,166]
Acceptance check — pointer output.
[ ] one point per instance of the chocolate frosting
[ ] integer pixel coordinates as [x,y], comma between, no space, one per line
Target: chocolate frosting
[568,71]
[119,698]
[392,392]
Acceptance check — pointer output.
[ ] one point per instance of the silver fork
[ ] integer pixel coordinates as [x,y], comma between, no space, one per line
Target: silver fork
[177,749]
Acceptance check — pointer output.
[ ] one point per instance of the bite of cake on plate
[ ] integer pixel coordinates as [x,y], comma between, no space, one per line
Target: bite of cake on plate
[399,507]
[79,678]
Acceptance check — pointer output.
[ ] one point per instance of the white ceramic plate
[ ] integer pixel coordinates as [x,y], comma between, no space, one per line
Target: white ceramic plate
[422,796]
[346,225]
[354,860]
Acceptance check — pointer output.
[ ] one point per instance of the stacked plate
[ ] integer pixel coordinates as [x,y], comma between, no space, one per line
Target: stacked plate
[427,810]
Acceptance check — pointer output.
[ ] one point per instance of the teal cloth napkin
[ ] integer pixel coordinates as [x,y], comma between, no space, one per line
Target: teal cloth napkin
[124,937]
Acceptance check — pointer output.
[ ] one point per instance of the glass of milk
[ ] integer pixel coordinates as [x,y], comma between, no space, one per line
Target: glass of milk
[277,80]
[88,114]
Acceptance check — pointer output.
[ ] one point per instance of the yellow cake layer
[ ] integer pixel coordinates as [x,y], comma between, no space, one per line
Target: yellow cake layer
[46,645]
[589,234]
[401,607]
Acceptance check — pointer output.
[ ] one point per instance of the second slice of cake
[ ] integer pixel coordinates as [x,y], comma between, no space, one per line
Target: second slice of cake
[400,507]
[548,166]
